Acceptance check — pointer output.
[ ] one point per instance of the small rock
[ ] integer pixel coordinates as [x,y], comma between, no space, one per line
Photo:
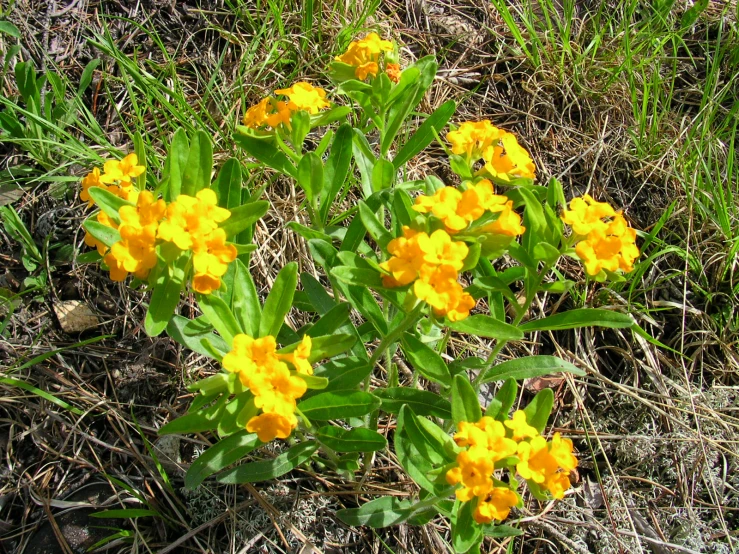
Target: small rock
[75,316]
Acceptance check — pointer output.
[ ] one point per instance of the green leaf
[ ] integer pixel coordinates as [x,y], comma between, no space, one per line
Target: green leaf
[337,168]
[382,512]
[236,413]
[534,210]
[246,306]
[486,326]
[363,277]
[428,445]
[424,135]
[333,320]
[166,296]
[313,382]
[581,317]
[107,235]
[220,316]
[344,373]
[422,402]
[244,216]
[363,301]
[199,166]
[279,301]
[528,367]
[86,79]
[8,28]
[538,410]
[317,295]
[108,202]
[465,406]
[465,531]
[219,456]
[338,405]
[204,420]
[351,440]
[330,346]
[177,329]
[228,184]
[266,152]
[425,360]
[365,160]
[310,175]
[504,399]
[692,14]
[376,229]
[262,471]
[383,174]
[175,165]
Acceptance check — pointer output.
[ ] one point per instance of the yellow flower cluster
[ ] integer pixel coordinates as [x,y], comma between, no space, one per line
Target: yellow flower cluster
[432,263]
[489,441]
[116,177]
[364,56]
[271,112]
[457,209]
[607,240]
[191,224]
[503,156]
[264,371]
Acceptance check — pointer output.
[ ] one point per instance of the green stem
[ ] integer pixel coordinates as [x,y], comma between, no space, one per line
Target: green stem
[394,335]
[520,312]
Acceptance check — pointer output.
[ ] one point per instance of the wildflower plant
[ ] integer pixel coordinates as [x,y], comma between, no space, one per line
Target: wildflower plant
[412,261]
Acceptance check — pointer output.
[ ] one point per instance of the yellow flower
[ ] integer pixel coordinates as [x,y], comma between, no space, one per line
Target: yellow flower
[508,223]
[535,462]
[134,253]
[610,247]
[495,506]
[439,249]
[188,217]
[281,115]
[474,471]
[269,426]
[472,138]
[92,179]
[364,54]
[561,451]
[299,357]
[211,256]
[470,434]
[521,429]
[256,116]
[393,72]
[304,96]
[123,170]
[439,288]
[586,215]
[507,158]
[406,261]
[146,212]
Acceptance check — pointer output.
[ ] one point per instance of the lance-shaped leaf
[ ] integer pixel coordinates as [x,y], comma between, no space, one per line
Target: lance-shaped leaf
[382,512]
[279,301]
[220,316]
[424,403]
[486,326]
[199,164]
[246,306]
[425,134]
[107,235]
[166,296]
[244,216]
[338,405]
[528,367]
[108,202]
[337,168]
[262,471]
[266,152]
[351,440]
[538,410]
[228,184]
[582,317]
[219,456]
[310,175]
[465,406]
[426,361]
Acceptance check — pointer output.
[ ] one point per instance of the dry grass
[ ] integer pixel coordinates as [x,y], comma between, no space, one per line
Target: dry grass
[657,430]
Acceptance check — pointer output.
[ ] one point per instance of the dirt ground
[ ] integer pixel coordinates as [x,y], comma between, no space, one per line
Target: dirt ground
[656,429]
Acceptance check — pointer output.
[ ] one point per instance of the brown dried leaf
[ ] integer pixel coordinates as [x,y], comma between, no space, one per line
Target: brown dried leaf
[75,316]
